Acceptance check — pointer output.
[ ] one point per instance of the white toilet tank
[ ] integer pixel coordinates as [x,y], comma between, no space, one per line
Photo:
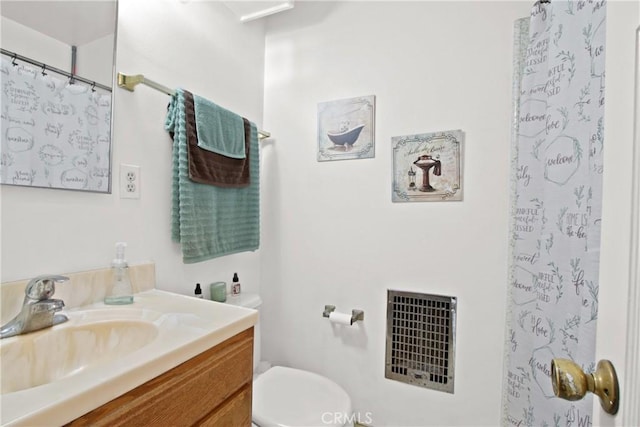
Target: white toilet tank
[254,301]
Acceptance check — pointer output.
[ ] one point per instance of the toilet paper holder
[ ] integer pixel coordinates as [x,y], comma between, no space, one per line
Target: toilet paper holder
[356,315]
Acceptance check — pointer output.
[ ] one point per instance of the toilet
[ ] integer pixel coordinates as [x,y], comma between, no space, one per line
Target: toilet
[288,397]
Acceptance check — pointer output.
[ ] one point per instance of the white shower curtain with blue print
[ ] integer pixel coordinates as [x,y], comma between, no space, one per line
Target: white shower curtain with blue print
[556,208]
[54,134]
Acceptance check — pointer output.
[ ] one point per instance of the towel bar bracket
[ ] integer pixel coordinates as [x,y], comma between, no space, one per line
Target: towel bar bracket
[129,82]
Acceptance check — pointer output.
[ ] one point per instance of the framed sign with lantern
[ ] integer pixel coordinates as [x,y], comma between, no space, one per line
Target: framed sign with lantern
[427,167]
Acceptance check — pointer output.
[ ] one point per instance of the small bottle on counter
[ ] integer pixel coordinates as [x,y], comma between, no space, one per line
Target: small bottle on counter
[198,291]
[235,286]
[122,292]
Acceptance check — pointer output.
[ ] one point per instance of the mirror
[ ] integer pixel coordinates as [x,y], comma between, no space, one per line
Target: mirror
[56,80]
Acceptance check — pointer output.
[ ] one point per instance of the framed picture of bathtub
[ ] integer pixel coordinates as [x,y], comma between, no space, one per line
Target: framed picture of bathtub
[427,167]
[346,129]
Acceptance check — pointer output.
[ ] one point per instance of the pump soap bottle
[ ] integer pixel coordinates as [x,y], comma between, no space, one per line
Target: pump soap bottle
[121,292]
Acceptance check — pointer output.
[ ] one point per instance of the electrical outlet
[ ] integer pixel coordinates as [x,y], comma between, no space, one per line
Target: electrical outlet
[129,181]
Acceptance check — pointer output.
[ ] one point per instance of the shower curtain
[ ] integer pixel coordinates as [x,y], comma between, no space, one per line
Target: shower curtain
[54,134]
[556,201]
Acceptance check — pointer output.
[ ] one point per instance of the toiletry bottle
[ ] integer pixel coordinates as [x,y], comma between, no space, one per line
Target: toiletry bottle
[198,291]
[235,286]
[121,292]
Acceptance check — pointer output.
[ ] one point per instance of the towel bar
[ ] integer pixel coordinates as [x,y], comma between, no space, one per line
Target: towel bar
[129,82]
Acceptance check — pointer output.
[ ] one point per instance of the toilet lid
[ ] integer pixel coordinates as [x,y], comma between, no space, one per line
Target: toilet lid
[290,397]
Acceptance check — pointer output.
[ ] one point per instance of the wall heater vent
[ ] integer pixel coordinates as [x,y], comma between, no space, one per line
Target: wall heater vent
[421,339]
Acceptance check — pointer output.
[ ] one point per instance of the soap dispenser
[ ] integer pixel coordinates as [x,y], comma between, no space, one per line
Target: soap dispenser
[121,292]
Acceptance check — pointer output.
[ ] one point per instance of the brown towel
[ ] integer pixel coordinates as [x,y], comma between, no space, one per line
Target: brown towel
[437,169]
[207,167]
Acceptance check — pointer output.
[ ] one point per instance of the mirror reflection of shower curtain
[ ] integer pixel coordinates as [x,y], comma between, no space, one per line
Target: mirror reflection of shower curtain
[54,134]
[555,207]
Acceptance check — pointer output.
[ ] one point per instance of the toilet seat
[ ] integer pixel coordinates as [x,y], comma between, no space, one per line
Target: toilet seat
[291,397]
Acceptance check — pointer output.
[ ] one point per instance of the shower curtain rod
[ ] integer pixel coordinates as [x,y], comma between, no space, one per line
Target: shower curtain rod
[129,82]
[46,67]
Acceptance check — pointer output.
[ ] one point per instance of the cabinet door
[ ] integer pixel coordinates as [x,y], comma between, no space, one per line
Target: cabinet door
[235,412]
[185,395]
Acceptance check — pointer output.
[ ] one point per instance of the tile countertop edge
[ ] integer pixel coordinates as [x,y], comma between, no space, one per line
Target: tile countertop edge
[78,404]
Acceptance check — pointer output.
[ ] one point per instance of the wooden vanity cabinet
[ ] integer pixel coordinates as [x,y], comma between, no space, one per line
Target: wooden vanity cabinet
[211,389]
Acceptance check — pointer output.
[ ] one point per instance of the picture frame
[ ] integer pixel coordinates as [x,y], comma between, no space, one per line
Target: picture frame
[427,167]
[346,129]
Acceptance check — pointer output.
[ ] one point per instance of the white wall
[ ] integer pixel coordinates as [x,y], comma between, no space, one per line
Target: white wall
[332,234]
[197,45]
[94,60]
[27,42]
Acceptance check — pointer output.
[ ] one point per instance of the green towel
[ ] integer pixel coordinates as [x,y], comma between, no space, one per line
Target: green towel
[220,131]
[210,221]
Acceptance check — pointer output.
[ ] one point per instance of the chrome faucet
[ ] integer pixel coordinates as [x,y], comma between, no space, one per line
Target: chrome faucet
[38,308]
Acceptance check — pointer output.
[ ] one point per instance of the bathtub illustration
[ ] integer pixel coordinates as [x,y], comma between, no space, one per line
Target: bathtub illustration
[345,136]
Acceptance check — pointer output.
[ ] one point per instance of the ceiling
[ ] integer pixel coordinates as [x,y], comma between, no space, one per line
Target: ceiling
[80,22]
[250,10]
[74,22]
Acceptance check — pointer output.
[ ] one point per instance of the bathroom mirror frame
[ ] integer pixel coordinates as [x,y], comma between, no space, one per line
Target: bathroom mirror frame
[76,78]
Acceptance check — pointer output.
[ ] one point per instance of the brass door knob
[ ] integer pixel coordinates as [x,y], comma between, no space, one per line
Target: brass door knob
[571,383]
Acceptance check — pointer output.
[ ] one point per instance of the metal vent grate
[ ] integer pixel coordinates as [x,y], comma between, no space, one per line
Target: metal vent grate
[421,339]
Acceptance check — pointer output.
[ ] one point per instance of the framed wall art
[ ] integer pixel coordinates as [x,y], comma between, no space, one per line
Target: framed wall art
[427,167]
[346,129]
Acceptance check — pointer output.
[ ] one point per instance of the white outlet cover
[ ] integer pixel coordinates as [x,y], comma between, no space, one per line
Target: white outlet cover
[129,181]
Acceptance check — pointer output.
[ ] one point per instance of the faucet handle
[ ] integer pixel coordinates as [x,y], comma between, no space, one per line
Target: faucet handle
[43,287]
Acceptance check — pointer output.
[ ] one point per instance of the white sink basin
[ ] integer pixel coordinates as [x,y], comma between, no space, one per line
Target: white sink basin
[55,375]
[46,356]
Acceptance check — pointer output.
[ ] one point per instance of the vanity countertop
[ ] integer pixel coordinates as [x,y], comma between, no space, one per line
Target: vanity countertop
[182,326]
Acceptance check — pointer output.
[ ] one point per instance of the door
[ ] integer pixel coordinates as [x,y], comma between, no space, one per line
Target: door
[619,296]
